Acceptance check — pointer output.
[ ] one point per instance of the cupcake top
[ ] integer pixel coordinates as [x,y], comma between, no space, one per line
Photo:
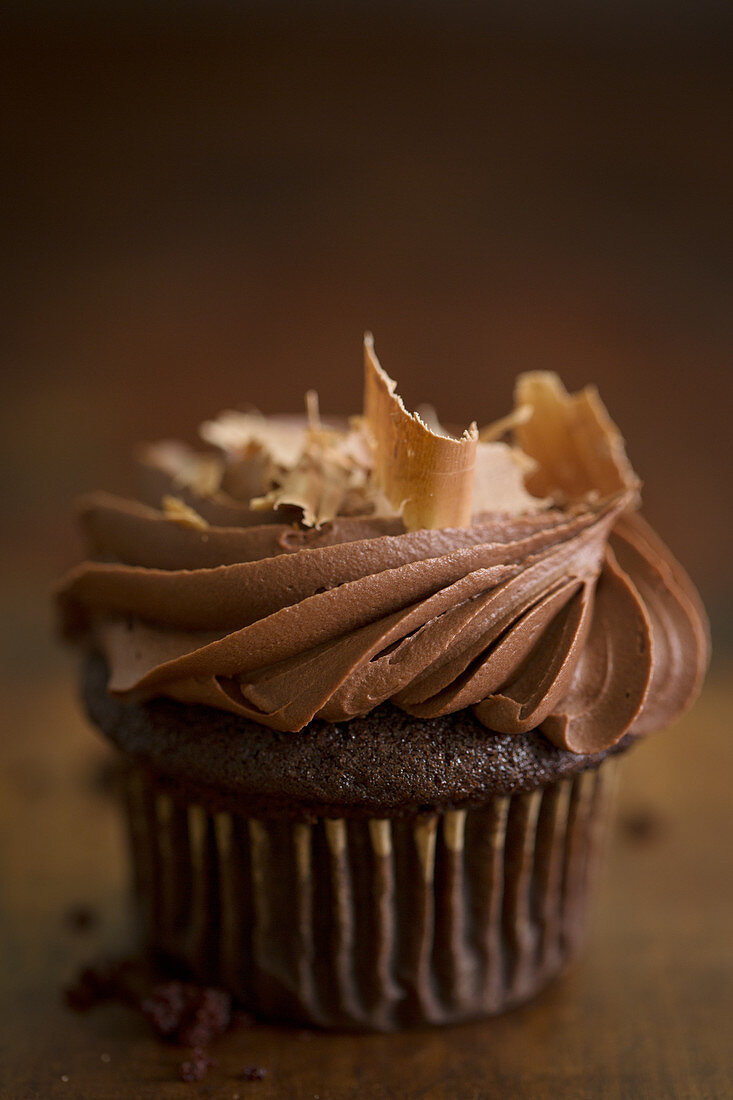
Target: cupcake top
[299,569]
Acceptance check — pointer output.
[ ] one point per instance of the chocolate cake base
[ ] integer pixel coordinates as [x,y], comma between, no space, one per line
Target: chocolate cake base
[378,874]
[384,764]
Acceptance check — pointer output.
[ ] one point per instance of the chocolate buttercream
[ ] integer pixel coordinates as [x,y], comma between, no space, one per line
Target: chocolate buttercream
[274,581]
[575,621]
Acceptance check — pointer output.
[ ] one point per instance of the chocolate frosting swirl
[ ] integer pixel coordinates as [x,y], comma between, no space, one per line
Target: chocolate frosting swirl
[577,622]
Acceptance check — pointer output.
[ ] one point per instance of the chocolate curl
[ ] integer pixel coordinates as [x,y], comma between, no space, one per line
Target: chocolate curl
[578,449]
[499,479]
[317,485]
[428,477]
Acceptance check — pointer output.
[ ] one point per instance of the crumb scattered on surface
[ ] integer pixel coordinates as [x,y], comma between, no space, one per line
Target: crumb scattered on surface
[196,1067]
[188,1014]
[642,826]
[81,918]
[253,1073]
[180,1012]
[105,980]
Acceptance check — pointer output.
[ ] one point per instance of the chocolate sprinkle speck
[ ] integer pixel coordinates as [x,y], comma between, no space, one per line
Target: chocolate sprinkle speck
[642,826]
[194,1068]
[106,980]
[81,918]
[253,1073]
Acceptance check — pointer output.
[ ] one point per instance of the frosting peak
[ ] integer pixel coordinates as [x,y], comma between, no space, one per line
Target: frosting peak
[573,620]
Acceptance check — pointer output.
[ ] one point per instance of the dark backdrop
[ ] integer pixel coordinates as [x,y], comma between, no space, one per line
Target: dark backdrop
[207,204]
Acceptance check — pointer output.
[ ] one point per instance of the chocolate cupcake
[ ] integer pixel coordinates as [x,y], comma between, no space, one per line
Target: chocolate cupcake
[370,682]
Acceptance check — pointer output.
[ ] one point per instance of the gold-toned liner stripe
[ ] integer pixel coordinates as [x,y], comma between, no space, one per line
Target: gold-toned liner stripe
[385,984]
[454,827]
[601,817]
[335,835]
[303,847]
[492,934]
[425,834]
[163,812]
[198,914]
[576,844]
[522,929]
[259,854]
[454,961]
[550,908]
[228,945]
[342,913]
[380,832]
[423,927]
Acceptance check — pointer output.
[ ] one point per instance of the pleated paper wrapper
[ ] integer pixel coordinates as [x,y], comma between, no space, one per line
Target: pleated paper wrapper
[371,924]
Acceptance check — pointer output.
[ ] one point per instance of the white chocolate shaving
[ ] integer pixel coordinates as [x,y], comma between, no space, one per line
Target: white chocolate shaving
[313,411]
[318,489]
[239,432]
[188,469]
[331,478]
[428,476]
[499,477]
[578,449]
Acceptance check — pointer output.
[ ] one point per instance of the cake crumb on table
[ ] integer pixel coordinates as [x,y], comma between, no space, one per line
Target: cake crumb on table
[253,1073]
[196,1067]
[81,918]
[642,826]
[188,1014]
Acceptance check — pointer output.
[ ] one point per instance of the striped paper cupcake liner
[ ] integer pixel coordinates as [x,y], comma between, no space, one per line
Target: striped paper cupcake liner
[374,924]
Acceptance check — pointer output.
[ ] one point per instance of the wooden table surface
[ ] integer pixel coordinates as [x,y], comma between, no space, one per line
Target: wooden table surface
[646,1012]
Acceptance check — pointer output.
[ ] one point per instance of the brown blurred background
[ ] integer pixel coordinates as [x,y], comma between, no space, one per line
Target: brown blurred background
[207,204]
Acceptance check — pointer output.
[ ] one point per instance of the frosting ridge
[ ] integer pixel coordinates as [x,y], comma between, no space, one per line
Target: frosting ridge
[574,620]
[529,621]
